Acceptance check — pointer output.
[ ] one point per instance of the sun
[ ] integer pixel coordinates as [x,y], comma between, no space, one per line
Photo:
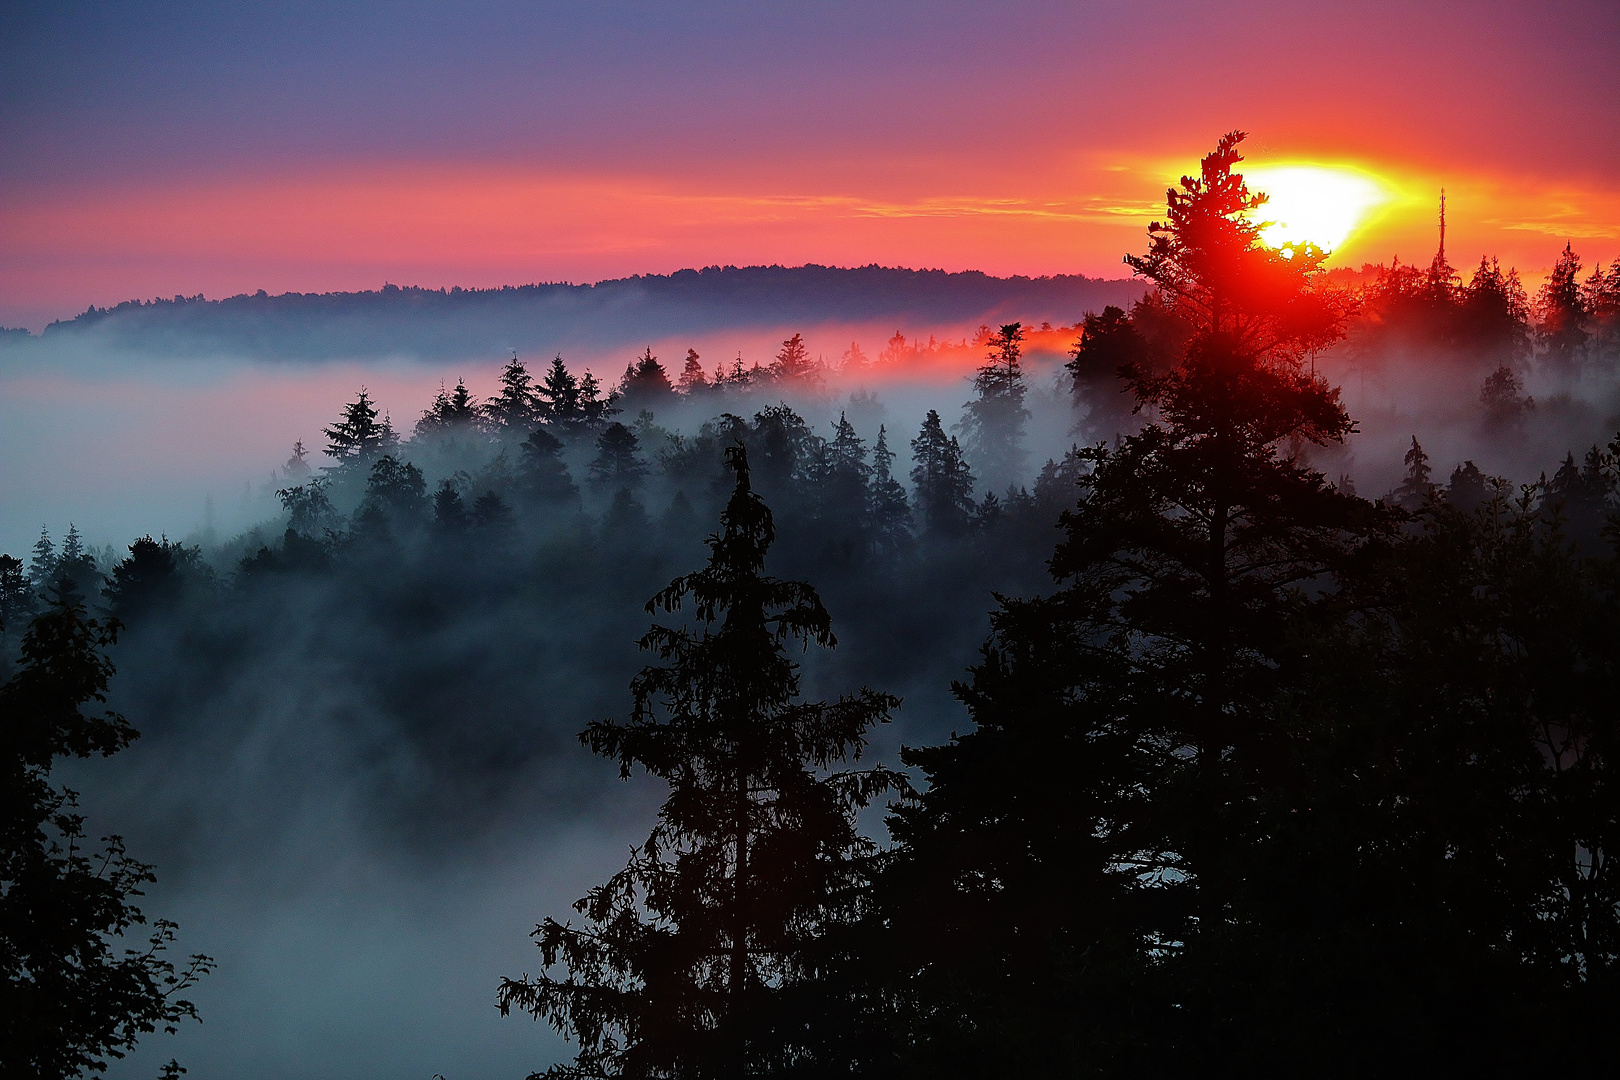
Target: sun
[1321,204]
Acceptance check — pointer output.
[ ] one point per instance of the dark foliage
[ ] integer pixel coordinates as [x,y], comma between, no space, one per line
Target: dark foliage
[702,957]
[70,998]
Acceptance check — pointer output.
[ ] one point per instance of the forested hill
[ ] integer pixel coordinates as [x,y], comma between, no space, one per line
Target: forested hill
[435,323]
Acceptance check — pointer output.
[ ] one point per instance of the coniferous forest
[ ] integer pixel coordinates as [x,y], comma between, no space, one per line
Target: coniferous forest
[1250,772]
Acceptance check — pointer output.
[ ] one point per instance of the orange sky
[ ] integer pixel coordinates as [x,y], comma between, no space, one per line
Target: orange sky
[226,156]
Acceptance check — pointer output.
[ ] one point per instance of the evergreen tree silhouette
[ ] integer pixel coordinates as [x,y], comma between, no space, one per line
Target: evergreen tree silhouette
[515,409]
[70,998]
[891,510]
[16,598]
[42,563]
[1109,345]
[993,422]
[1415,488]
[617,464]
[450,516]
[358,438]
[784,449]
[646,384]
[1098,827]
[940,478]
[296,467]
[558,396]
[452,413]
[1562,313]
[793,363]
[76,564]
[701,957]
[149,578]
[543,478]
[1495,316]
[692,380]
[1503,399]
[397,490]
[594,407]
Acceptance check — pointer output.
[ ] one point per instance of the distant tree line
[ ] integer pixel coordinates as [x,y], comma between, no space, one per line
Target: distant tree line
[1265,777]
[1276,780]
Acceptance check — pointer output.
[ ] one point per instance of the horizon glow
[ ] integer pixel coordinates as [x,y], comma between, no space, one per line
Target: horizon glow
[158,152]
[1321,205]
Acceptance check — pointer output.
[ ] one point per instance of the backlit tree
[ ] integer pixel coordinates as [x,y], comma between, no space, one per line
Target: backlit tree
[702,957]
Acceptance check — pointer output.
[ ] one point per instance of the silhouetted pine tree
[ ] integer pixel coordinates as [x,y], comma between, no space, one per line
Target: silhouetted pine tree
[515,409]
[793,363]
[542,476]
[76,564]
[1503,399]
[452,413]
[594,408]
[1495,316]
[842,486]
[993,422]
[42,563]
[942,484]
[702,957]
[891,510]
[397,490]
[1561,313]
[1075,883]
[558,396]
[1415,488]
[358,438]
[16,599]
[645,384]
[784,448]
[617,464]
[150,578]
[296,467]
[449,510]
[1451,832]
[692,380]
[1108,345]
[70,997]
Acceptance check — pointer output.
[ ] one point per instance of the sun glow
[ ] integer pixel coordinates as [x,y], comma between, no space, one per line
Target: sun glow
[1323,205]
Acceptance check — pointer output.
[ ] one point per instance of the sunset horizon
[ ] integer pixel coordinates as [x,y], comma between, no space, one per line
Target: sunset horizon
[719,540]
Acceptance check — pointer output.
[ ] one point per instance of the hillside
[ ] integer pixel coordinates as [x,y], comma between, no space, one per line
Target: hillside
[439,323]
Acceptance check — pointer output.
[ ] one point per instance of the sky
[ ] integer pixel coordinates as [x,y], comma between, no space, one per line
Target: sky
[178,148]
[181,148]
[162,149]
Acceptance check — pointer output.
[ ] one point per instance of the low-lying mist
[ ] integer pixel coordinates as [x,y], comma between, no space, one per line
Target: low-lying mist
[359,777]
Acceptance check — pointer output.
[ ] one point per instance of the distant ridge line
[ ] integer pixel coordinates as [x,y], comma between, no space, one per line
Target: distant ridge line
[433,323]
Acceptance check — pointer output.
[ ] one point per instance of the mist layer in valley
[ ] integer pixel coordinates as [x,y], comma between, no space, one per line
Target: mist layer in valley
[359,674]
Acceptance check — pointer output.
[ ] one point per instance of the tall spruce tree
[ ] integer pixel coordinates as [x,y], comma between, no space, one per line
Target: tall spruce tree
[942,483]
[703,957]
[558,396]
[542,474]
[1562,313]
[993,422]
[646,384]
[16,602]
[70,996]
[359,438]
[891,511]
[1070,880]
[617,463]
[42,561]
[1109,344]
[515,409]
[453,413]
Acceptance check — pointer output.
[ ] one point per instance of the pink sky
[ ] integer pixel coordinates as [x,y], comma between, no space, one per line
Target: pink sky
[310,152]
